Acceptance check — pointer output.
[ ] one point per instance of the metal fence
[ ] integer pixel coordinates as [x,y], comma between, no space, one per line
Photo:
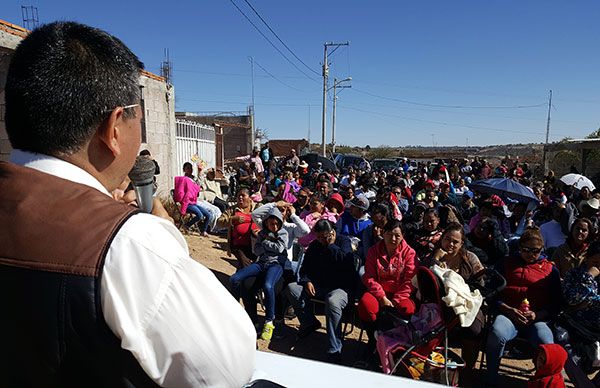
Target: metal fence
[195,142]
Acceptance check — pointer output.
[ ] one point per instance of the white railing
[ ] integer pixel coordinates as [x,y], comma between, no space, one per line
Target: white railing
[195,141]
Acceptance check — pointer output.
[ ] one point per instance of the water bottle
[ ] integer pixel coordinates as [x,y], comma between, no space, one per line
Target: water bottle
[524,306]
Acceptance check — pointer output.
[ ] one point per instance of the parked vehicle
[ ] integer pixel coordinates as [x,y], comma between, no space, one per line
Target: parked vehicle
[313,160]
[412,165]
[343,161]
[384,164]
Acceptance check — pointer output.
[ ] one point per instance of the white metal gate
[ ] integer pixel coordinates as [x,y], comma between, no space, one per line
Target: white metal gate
[195,142]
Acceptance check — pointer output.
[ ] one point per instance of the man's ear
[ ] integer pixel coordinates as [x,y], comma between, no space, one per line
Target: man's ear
[109,133]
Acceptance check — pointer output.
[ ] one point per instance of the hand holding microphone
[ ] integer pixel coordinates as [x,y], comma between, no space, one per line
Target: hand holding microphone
[142,180]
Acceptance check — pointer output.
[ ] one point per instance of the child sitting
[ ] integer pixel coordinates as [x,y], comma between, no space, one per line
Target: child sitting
[271,250]
[549,362]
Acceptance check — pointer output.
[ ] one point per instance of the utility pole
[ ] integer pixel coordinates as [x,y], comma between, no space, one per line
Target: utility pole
[547,133]
[336,84]
[252,116]
[333,116]
[325,77]
[308,126]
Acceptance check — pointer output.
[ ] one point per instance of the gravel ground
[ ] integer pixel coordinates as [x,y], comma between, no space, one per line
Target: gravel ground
[210,252]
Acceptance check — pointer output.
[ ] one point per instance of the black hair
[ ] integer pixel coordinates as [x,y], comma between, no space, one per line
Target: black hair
[64,79]
[318,197]
[186,165]
[487,225]
[326,181]
[242,190]
[323,226]
[591,229]
[455,227]
[393,224]
[381,208]
[432,212]
[145,153]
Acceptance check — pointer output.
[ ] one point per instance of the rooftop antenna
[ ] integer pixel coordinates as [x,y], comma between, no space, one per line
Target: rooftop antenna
[30,17]
[166,68]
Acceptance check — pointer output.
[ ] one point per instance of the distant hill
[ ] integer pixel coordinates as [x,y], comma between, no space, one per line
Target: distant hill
[531,153]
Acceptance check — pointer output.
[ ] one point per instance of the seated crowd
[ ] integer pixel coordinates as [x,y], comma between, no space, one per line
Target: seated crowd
[354,240]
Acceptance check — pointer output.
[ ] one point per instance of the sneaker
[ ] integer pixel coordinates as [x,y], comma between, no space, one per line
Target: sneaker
[305,331]
[267,331]
[290,313]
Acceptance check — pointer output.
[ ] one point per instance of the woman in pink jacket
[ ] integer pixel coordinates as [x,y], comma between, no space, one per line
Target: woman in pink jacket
[186,193]
[389,269]
[317,212]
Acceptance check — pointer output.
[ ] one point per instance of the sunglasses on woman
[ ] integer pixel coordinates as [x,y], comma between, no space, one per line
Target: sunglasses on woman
[531,250]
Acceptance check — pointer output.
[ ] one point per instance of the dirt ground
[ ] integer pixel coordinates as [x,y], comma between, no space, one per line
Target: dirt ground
[210,252]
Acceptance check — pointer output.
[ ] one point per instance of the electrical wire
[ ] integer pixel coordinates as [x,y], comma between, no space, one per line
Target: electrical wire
[442,123]
[277,79]
[447,106]
[270,42]
[245,103]
[278,38]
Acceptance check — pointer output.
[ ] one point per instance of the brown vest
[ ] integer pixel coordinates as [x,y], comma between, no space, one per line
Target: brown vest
[54,236]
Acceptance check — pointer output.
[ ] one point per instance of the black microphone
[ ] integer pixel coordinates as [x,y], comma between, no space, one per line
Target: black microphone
[142,179]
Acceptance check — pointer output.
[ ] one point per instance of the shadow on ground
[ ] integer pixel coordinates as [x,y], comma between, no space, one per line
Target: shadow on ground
[210,252]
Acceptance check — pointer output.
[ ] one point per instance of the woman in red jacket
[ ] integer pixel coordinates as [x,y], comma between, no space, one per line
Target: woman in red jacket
[389,268]
[527,303]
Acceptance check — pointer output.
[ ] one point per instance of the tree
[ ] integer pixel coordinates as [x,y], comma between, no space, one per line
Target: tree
[594,135]
[382,152]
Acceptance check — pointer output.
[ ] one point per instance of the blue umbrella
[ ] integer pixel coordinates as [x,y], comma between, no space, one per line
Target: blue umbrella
[505,188]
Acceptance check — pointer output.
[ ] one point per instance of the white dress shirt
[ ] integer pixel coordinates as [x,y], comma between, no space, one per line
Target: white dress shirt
[180,323]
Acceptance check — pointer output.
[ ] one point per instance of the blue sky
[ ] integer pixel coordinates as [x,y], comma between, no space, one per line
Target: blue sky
[409,60]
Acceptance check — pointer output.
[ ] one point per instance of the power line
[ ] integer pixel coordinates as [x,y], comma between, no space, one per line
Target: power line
[245,103]
[443,123]
[450,91]
[278,38]
[182,92]
[278,80]
[362,81]
[270,42]
[447,106]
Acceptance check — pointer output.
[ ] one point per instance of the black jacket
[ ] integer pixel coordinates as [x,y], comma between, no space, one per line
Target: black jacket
[330,267]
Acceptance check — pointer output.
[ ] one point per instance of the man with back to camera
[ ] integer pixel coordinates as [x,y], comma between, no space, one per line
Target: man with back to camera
[93,292]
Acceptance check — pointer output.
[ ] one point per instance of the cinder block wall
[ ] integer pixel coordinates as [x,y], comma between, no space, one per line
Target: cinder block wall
[8,43]
[159,101]
[5,147]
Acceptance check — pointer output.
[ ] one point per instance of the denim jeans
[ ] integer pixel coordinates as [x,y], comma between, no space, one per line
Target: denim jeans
[504,330]
[272,271]
[211,212]
[199,213]
[335,302]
